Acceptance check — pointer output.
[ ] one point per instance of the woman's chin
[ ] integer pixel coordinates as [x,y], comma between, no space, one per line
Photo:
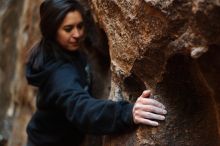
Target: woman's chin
[75,48]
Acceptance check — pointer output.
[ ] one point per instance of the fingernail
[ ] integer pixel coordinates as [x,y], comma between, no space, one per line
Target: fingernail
[165,112]
[155,124]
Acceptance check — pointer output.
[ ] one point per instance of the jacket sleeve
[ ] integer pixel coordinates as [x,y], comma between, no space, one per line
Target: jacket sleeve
[89,115]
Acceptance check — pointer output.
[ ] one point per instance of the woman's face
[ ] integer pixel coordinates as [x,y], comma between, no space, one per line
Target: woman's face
[71,31]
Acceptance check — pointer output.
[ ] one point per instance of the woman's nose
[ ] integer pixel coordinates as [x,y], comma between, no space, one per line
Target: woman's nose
[76,33]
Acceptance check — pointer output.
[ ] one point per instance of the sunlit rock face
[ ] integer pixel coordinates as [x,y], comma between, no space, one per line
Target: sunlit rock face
[19,30]
[171,47]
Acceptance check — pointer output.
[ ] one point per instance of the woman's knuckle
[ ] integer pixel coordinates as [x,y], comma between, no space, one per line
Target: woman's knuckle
[148,114]
[136,107]
[149,108]
[136,113]
[140,100]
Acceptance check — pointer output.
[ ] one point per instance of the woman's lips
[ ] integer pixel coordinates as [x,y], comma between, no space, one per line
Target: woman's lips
[74,44]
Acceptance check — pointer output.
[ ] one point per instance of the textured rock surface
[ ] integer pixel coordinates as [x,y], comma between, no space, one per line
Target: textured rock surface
[172,48]
[19,30]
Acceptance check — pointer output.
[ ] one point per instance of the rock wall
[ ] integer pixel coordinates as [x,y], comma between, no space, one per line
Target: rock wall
[172,48]
[19,30]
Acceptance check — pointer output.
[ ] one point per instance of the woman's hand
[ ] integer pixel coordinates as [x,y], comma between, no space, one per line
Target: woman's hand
[147,110]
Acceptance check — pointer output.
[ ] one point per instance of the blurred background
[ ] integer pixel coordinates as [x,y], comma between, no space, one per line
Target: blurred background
[19,21]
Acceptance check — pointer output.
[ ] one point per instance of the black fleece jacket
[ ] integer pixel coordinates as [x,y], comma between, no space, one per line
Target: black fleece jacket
[66,111]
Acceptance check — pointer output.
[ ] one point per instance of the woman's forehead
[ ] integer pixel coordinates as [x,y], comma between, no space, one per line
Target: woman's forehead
[72,18]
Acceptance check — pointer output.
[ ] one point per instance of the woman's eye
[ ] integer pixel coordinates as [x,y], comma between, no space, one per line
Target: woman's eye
[68,29]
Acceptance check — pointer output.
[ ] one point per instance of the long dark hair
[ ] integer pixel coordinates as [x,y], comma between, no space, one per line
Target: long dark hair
[52,13]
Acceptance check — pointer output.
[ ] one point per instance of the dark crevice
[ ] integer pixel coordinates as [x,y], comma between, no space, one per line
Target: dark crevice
[190,108]
[134,87]
[97,48]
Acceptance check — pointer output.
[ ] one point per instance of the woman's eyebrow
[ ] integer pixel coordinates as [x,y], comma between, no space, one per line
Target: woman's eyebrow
[68,25]
[71,25]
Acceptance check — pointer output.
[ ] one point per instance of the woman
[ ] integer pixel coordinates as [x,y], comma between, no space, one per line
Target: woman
[65,110]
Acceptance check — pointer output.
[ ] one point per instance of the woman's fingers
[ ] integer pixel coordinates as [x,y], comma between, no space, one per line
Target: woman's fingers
[144,98]
[152,116]
[154,109]
[146,122]
[150,107]
[149,101]
[146,93]
[146,110]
